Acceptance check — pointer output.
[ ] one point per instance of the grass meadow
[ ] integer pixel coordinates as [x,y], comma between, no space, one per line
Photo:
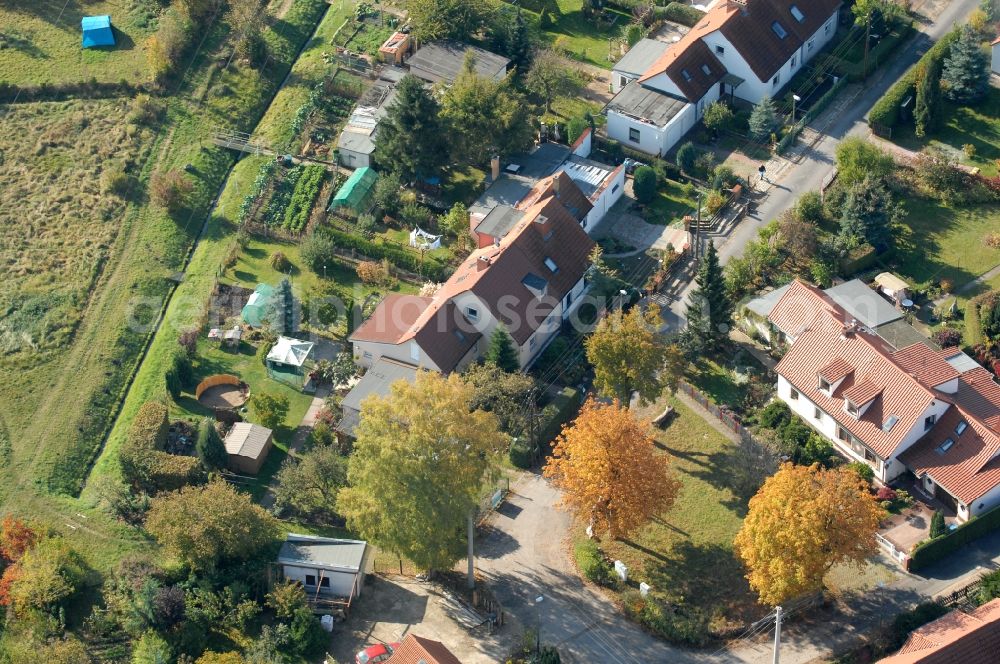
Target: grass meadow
[40,42]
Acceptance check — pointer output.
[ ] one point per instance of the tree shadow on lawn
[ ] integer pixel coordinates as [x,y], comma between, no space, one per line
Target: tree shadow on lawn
[705,575]
[918,241]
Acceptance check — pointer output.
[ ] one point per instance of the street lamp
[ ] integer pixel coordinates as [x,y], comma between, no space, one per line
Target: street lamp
[538,623]
[621,298]
[795,99]
[324,270]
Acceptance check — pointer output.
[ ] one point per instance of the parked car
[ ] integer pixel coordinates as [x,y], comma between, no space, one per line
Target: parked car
[376,653]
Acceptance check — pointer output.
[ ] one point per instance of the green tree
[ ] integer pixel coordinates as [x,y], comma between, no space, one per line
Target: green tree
[45,576]
[869,214]
[549,77]
[763,119]
[151,648]
[709,311]
[687,156]
[286,598]
[411,140]
[629,356]
[440,454]
[385,194]
[508,35]
[509,396]
[204,525]
[308,637]
[718,117]
[484,116]
[965,76]
[928,97]
[270,410]
[857,159]
[501,351]
[447,19]
[809,207]
[938,527]
[456,220]
[866,12]
[209,446]
[644,184]
[310,484]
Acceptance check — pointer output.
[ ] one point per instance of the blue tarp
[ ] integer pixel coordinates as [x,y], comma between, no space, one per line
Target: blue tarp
[97,31]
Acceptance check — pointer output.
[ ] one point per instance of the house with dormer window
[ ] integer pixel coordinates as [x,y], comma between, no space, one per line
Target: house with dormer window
[933,413]
[744,48]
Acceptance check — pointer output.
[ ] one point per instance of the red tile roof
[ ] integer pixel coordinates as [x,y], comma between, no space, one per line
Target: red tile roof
[799,307]
[393,319]
[690,53]
[955,638]
[837,368]
[862,392]
[928,366]
[419,650]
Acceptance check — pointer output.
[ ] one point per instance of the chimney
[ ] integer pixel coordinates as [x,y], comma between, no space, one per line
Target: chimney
[496,242]
[555,184]
[482,263]
[495,167]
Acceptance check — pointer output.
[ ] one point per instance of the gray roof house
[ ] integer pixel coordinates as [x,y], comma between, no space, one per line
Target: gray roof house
[634,64]
[377,380]
[325,566]
[442,61]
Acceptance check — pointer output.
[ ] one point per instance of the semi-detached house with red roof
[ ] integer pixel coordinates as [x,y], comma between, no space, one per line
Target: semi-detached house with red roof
[917,409]
[746,48]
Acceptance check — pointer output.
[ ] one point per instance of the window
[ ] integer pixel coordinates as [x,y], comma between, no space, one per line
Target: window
[851,408]
[472,313]
[324,582]
[367,355]
[778,30]
[551,264]
[720,50]
[569,299]
[614,189]
[945,446]
[826,28]
[622,81]
[776,80]
[929,421]
[843,435]
[961,508]
[686,74]
[532,342]
[817,413]
[810,44]
[797,13]
[633,135]
[870,456]
[793,62]
[310,579]
[705,68]
[824,384]
[794,394]
[414,351]
[962,426]
[889,423]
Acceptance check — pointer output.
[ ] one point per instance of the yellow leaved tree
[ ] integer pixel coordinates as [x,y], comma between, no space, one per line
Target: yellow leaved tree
[611,474]
[804,520]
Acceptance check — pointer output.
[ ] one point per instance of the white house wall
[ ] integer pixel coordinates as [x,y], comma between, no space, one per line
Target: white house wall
[985,503]
[609,196]
[341,583]
[366,353]
[649,135]
[996,59]
[664,83]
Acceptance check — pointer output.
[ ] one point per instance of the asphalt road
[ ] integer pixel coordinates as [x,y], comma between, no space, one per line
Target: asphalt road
[818,161]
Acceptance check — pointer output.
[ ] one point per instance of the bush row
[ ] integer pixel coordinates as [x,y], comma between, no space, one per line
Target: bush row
[144,465]
[556,413]
[679,13]
[931,551]
[885,112]
[303,197]
[398,256]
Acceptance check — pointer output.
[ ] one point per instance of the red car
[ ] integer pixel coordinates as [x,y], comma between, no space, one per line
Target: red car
[379,652]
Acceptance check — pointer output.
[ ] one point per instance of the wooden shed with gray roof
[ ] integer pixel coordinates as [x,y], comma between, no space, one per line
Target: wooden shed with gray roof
[248,446]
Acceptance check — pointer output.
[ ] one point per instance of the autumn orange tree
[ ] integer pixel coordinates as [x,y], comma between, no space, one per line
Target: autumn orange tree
[611,474]
[629,356]
[804,520]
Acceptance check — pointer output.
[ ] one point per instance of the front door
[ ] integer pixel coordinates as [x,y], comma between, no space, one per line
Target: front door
[946,498]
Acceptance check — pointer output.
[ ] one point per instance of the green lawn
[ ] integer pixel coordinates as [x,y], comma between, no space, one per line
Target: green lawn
[686,555]
[945,242]
[573,106]
[672,202]
[716,382]
[40,42]
[977,125]
[462,185]
[581,38]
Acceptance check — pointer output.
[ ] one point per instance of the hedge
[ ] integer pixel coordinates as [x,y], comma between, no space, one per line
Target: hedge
[521,455]
[398,256]
[789,138]
[885,112]
[679,13]
[149,428]
[143,463]
[931,551]
[560,410]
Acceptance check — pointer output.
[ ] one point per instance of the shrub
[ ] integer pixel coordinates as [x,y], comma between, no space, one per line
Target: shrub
[687,155]
[989,587]
[575,128]
[279,261]
[114,180]
[146,110]
[905,623]
[715,202]
[374,272]
[365,225]
[321,247]
[718,117]
[938,527]
[544,19]
[775,415]
[863,470]
[689,628]
[885,493]
[592,563]
[521,455]
[679,12]
[644,184]
[724,178]
[809,207]
[170,189]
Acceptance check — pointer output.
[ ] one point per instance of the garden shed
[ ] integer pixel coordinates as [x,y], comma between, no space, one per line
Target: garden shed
[97,31]
[248,446]
[255,310]
[354,194]
[324,565]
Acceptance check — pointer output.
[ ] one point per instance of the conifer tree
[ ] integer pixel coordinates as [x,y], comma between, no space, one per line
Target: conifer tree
[763,119]
[966,73]
[209,447]
[501,351]
[709,311]
[411,140]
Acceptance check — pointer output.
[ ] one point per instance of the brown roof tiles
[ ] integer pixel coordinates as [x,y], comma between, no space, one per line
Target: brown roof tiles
[419,650]
[955,638]
[928,366]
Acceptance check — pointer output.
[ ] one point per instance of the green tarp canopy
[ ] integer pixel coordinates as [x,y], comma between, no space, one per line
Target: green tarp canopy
[355,191]
[257,307]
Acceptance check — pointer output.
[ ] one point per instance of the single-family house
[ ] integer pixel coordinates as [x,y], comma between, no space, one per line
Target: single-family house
[969,637]
[421,650]
[528,281]
[586,188]
[377,381]
[918,410]
[248,446]
[745,48]
[634,64]
[325,566]
[441,62]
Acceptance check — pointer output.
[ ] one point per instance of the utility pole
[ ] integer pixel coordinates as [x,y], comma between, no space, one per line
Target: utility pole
[471,581]
[777,634]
